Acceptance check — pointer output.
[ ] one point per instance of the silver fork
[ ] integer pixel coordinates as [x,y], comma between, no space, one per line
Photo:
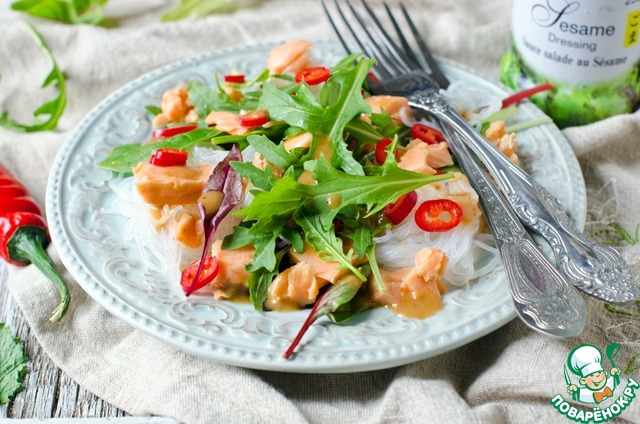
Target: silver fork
[594,268]
[543,299]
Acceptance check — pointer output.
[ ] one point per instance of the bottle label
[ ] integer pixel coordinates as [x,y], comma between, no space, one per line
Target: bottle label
[577,42]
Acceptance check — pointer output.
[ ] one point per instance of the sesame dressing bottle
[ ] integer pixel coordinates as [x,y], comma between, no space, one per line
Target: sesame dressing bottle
[588,49]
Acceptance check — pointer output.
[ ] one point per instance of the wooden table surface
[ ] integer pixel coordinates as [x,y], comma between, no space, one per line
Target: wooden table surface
[47,391]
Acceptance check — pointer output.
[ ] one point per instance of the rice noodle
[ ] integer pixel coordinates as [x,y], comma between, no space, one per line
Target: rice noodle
[472,102]
[469,254]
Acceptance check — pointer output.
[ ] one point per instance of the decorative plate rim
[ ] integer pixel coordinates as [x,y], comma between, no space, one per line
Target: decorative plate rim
[490,319]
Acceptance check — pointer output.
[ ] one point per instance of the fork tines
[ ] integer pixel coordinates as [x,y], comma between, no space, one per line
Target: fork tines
[369,36]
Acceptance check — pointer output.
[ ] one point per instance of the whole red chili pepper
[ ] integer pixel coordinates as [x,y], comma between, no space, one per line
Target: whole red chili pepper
[24,235]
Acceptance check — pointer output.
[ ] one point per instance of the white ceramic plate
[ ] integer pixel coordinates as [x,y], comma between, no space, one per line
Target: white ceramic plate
[92,246]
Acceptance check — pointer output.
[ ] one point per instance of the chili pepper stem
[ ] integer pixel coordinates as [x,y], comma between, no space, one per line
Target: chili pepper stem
[32,249]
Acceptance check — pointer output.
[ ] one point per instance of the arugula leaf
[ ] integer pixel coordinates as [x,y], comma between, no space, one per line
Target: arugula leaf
[242,237]
[262,179]
[384,124]
[374,192]
[302,110]
[206,100]
[12,365]
[265,256]
[295,238]
[342,107]
[258,283]
[363,131]
[68,11]
[275,154]
[340,101]
[154,110]
[188,8]
[124,158]
[347,63]
[322,237]
[53,108]
[362,239]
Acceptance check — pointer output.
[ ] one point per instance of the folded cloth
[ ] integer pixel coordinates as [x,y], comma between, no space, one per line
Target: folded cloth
[509,375]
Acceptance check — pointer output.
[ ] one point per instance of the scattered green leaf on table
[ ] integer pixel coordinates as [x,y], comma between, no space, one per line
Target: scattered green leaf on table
[12,365]
[53,108]
[196,8]
[68,11]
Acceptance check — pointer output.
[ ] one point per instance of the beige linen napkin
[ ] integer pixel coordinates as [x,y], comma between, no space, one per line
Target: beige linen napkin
[507,376]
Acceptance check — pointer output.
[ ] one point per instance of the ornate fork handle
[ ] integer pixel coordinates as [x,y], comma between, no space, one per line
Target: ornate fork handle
[594,268]
[544,300]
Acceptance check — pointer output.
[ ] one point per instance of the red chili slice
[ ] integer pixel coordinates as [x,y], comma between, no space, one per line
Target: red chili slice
[427,134]
[209,272]
[169,157]
[429,216]
[398,211]
[381,150]
[170,132]
[234,79]
[313,76]
[254,119]
[525,94]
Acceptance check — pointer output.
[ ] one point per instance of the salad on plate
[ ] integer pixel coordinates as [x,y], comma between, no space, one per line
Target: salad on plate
[295,188]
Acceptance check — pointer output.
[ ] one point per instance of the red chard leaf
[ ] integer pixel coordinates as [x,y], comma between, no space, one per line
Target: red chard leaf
[221,193]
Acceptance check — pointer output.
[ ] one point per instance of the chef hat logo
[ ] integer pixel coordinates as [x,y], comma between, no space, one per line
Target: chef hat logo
[585,360]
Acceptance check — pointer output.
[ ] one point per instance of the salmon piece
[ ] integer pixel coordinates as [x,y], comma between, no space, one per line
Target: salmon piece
[414,292]
[189,231]
[232,276]
[416,159]
[294,288]
[292,56]
[191,117]
[228,122]
[175,104]
[326,271]
[438,154]
[160,120]
[392,105]
[506,143]
[300,140]
[170,185]
[495,130]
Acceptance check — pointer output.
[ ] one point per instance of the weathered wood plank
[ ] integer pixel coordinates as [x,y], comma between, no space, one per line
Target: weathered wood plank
[47,392]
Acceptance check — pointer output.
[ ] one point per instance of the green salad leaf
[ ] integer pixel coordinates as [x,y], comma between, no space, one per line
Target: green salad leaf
[321,236]
[53,108]
[196,8]
[124,158]
[373,192]
[340,101]
[67,11]
[12,365]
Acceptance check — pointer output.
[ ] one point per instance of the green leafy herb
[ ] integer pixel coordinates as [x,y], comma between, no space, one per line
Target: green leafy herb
[12,365]
[275,154]
[384,124]
[67,11]
[362,239]
[53,108]
[206,100]
[196,8]
[154,110]
[321,236]
[374,192]
[262,179]
[124,158]
[259,282]
[340,101]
